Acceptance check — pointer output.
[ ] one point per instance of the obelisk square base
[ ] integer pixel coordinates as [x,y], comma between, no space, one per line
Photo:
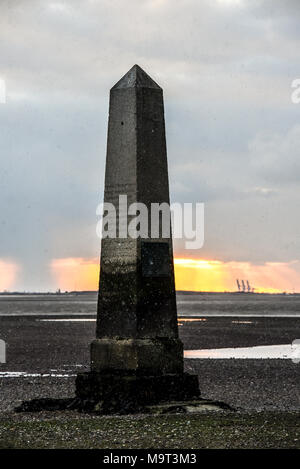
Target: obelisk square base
[122,394]
[129,374]
[147,356]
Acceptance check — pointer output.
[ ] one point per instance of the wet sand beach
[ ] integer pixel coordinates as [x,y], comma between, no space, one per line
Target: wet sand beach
[46,347]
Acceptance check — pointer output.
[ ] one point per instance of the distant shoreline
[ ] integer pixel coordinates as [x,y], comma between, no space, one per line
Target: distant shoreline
[180,292]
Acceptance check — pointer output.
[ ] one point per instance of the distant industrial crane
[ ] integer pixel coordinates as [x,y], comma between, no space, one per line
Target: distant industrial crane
[244,286]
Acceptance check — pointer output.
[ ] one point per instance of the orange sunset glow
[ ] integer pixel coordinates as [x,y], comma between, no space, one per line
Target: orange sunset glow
[76,273]
[8,273]
[190,275]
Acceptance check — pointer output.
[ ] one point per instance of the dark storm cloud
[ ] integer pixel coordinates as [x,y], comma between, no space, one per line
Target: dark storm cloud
[233,136]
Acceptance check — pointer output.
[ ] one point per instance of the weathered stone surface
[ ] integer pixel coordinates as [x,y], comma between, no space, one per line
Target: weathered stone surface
[139,356]
[135,302]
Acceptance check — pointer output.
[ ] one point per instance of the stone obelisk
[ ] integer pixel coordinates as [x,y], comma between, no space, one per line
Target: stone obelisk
[137,357]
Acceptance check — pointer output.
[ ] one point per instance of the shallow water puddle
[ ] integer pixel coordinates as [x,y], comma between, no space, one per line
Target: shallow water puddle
[68,320]
[242,322]
[93,320]
[285,352]
[24,374]
[191,319]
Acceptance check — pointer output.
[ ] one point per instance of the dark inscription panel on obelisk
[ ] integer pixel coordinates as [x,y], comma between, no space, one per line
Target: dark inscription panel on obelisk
[155,259]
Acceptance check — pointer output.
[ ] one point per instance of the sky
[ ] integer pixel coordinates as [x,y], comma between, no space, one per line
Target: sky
[233,134]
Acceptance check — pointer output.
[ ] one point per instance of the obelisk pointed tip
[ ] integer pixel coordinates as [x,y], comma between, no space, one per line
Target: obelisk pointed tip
[136,77]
